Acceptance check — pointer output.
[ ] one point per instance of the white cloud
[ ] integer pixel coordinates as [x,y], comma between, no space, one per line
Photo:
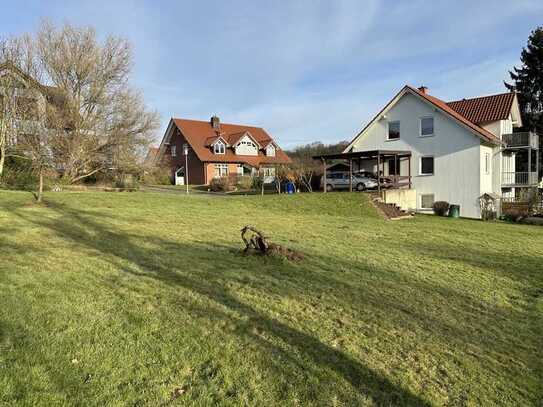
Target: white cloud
[306,70]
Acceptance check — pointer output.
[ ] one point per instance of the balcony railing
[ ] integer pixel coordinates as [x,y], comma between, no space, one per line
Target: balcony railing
[519,178]
[521,140]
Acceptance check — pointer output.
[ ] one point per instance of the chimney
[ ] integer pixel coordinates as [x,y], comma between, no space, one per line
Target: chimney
[215,122]
[423,89]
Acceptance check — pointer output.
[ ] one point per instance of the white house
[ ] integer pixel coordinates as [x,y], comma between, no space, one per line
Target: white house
[458,150]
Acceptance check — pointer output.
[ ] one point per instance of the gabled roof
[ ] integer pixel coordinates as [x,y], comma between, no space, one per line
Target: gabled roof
[211,141]
[477,130]
[485,109]
[198,133]
[481,132]
[233,139]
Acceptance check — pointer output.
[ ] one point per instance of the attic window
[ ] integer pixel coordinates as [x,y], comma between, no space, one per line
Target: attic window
[394,130]
[426,126]
[270,150]
[219,148]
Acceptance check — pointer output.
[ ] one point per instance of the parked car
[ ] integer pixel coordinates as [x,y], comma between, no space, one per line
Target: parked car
[340,180]
[386,182]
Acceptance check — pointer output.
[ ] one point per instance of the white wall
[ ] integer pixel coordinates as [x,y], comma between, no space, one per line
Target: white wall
[501,163]
[487,184]
[499,127]
[456,151]
[244,149]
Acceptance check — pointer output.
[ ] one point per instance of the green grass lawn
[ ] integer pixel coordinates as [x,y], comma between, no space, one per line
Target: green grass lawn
[122,298]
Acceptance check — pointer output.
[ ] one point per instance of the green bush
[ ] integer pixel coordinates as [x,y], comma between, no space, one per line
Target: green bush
[440,208]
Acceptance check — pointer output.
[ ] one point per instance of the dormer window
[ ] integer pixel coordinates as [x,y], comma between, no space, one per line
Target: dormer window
[219,148]
[270,150]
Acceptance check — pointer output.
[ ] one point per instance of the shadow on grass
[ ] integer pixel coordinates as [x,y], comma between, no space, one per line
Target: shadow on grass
[190,269]
[80,227]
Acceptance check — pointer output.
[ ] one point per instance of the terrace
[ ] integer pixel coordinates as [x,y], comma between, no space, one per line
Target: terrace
[519,145]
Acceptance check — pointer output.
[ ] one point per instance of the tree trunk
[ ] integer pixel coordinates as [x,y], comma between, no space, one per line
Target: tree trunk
[40,188]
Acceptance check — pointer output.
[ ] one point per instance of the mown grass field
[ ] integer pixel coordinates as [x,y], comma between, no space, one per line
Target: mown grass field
[144,299]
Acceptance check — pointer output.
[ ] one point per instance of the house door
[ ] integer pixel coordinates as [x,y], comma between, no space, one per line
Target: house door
[180,176]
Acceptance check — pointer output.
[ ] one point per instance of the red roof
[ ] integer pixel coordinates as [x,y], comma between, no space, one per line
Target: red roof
[485,109]
[199,133]
[483,133]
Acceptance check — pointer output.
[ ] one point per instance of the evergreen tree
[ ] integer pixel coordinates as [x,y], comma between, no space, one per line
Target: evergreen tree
[527,81]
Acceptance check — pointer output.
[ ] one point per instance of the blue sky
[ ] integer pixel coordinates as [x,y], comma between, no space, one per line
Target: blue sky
[304,70]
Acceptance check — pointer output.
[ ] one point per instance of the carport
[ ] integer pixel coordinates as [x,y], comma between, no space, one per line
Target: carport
[380,156]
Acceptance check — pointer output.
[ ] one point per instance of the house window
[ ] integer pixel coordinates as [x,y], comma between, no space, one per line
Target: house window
[427,201]
[427,126]
[239,169]
[173,151]
[427,166]
[221,170]
[269,171]
[219,148]
[393,130]
[270,150]
[487,163]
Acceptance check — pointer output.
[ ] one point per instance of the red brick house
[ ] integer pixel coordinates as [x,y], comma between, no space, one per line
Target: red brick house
[217,149]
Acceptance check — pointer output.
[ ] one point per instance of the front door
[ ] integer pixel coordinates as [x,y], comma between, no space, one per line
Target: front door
[180,176]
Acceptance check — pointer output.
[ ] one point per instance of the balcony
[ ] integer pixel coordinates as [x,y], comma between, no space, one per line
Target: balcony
[516,179]
[521,140]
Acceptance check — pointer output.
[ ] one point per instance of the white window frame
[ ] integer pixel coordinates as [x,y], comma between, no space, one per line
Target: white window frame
[220,170]
[420,166]
[173,151]
[388,130]
[433,200]
[239,169]
[487,163]
[269,171]
[433,126]
[219,148]
[270,148]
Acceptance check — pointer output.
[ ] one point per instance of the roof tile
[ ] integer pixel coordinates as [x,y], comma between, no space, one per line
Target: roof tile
[198,133]
[484,109]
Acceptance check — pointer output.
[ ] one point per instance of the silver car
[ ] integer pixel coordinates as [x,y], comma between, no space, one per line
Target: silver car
[340,180]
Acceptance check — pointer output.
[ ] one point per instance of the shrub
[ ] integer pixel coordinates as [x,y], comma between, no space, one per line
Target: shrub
[222,184]
[514,213]
[157,176]
[244,182]
[126,181]
[440,208]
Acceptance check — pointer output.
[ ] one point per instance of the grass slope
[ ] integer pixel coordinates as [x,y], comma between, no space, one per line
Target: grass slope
[124,298]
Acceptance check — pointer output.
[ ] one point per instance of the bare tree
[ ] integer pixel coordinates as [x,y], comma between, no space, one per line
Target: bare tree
[23,131]
[18,92]
[108,124]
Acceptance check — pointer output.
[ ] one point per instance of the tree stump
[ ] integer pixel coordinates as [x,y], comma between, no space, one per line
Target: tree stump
[256,241]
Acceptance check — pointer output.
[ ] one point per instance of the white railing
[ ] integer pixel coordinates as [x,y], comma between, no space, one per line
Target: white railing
[519,178]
